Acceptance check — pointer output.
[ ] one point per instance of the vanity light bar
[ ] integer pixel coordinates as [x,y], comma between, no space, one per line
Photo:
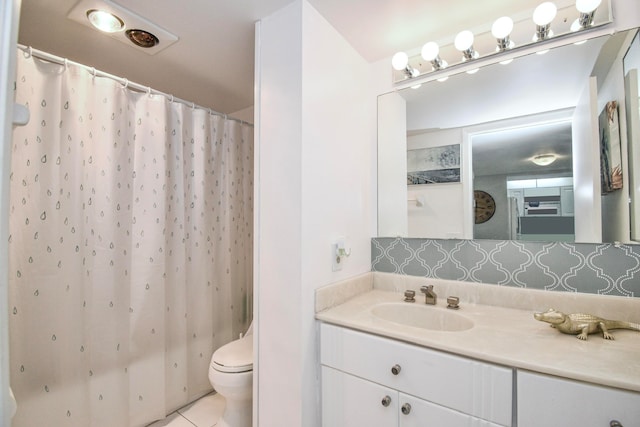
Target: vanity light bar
[500,39]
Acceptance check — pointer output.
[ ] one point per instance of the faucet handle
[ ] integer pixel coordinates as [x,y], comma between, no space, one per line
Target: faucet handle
[409,295]
[453,303]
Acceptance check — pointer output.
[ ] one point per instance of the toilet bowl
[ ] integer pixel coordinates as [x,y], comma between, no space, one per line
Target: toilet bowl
[231,375]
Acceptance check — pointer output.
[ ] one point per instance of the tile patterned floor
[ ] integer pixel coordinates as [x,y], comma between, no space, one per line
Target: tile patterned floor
[204,412]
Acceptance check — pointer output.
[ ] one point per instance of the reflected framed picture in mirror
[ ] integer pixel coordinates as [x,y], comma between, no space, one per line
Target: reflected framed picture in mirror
[433,165]
[610,154]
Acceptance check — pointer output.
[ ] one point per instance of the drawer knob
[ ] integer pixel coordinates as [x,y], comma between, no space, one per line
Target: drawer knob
[386,401]
[615,423]
[395,369]
[406,409]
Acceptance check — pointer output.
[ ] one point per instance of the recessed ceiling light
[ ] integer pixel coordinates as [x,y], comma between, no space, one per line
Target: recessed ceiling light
[105,21]
[142,38]
[151,40]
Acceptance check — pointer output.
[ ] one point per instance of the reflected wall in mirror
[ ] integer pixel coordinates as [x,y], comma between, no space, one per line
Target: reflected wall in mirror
[632,98]
[503,117]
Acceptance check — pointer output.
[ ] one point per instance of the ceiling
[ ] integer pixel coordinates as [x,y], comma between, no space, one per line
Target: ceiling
[212,63]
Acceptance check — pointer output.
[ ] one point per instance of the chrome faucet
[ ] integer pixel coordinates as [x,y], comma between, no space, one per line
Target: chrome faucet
[430,297]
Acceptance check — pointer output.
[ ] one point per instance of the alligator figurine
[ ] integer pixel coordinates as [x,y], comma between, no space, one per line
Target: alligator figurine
[583,324]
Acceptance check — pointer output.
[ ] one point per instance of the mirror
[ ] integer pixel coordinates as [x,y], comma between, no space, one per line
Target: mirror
[499,119]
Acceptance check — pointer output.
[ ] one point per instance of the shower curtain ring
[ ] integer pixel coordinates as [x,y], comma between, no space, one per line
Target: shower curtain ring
[193,105]
[149,91]
[171,99]
[66,63]
[126,84]
[29,52]
[93,72]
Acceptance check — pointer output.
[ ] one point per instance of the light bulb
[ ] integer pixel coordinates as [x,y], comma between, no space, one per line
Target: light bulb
[399,61]
[430,51]
[105,21]
[544,13]
[464,40]
[587,6]
[502,27]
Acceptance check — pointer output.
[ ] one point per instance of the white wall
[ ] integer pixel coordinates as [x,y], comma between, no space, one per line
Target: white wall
[277,222]
[316,139]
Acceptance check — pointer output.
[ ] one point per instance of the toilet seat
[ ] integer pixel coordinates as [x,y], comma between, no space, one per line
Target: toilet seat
[234,357]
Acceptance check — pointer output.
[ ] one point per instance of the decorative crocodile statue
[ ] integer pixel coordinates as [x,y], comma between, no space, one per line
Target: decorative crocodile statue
[583,324]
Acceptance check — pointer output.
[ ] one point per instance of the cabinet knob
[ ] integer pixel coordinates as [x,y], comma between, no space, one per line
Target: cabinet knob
[395,370]
[615,423]
[386,401]
[406,409]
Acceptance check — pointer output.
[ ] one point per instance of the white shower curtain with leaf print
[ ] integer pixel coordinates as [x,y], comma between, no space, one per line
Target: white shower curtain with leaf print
[130,248]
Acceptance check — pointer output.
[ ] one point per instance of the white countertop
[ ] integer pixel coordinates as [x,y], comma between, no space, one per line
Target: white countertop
[502,335]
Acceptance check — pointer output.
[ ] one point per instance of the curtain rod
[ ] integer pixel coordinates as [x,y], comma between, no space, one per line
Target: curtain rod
[28,50]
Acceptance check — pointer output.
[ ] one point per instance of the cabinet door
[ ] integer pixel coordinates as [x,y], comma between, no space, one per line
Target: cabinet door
[422,413]
[550,401]
[349,401]
[476,388]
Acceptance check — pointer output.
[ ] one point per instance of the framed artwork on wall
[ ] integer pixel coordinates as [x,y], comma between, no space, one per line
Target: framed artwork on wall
[610,151]
[433,165]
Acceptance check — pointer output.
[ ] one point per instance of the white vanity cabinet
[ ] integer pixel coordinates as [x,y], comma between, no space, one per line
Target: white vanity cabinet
[360,370]
[544,400]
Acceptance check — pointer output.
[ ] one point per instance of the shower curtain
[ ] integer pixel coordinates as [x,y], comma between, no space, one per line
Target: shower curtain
[130,248]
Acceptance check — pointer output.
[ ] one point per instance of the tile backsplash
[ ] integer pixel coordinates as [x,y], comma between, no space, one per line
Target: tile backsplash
[603,269]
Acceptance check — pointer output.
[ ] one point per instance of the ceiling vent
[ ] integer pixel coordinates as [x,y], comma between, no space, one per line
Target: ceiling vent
[135,30]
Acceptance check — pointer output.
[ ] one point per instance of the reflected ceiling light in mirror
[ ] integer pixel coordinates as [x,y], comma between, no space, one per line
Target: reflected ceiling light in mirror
[105,21]
[544,159]
[543,16]
[400,62]
[431,52]
[587,9]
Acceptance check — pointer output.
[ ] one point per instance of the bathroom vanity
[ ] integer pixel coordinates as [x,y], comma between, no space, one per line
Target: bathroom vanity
[384,362]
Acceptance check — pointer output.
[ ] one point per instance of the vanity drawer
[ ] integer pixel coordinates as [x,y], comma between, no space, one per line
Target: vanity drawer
[547,400]
[475,388]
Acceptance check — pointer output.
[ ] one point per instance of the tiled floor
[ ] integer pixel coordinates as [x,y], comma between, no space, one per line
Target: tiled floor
[201,413]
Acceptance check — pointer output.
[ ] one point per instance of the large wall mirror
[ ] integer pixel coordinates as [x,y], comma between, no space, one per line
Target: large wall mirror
[513,150]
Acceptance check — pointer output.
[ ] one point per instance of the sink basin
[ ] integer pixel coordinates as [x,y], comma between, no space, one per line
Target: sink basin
[422,316]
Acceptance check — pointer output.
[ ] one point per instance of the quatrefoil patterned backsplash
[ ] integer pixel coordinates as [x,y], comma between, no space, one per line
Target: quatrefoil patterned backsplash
[570,267]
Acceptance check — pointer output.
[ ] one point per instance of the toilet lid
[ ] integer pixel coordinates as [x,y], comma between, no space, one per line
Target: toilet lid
[237,356]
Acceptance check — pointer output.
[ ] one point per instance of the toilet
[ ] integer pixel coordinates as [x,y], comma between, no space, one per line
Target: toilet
[231,375]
